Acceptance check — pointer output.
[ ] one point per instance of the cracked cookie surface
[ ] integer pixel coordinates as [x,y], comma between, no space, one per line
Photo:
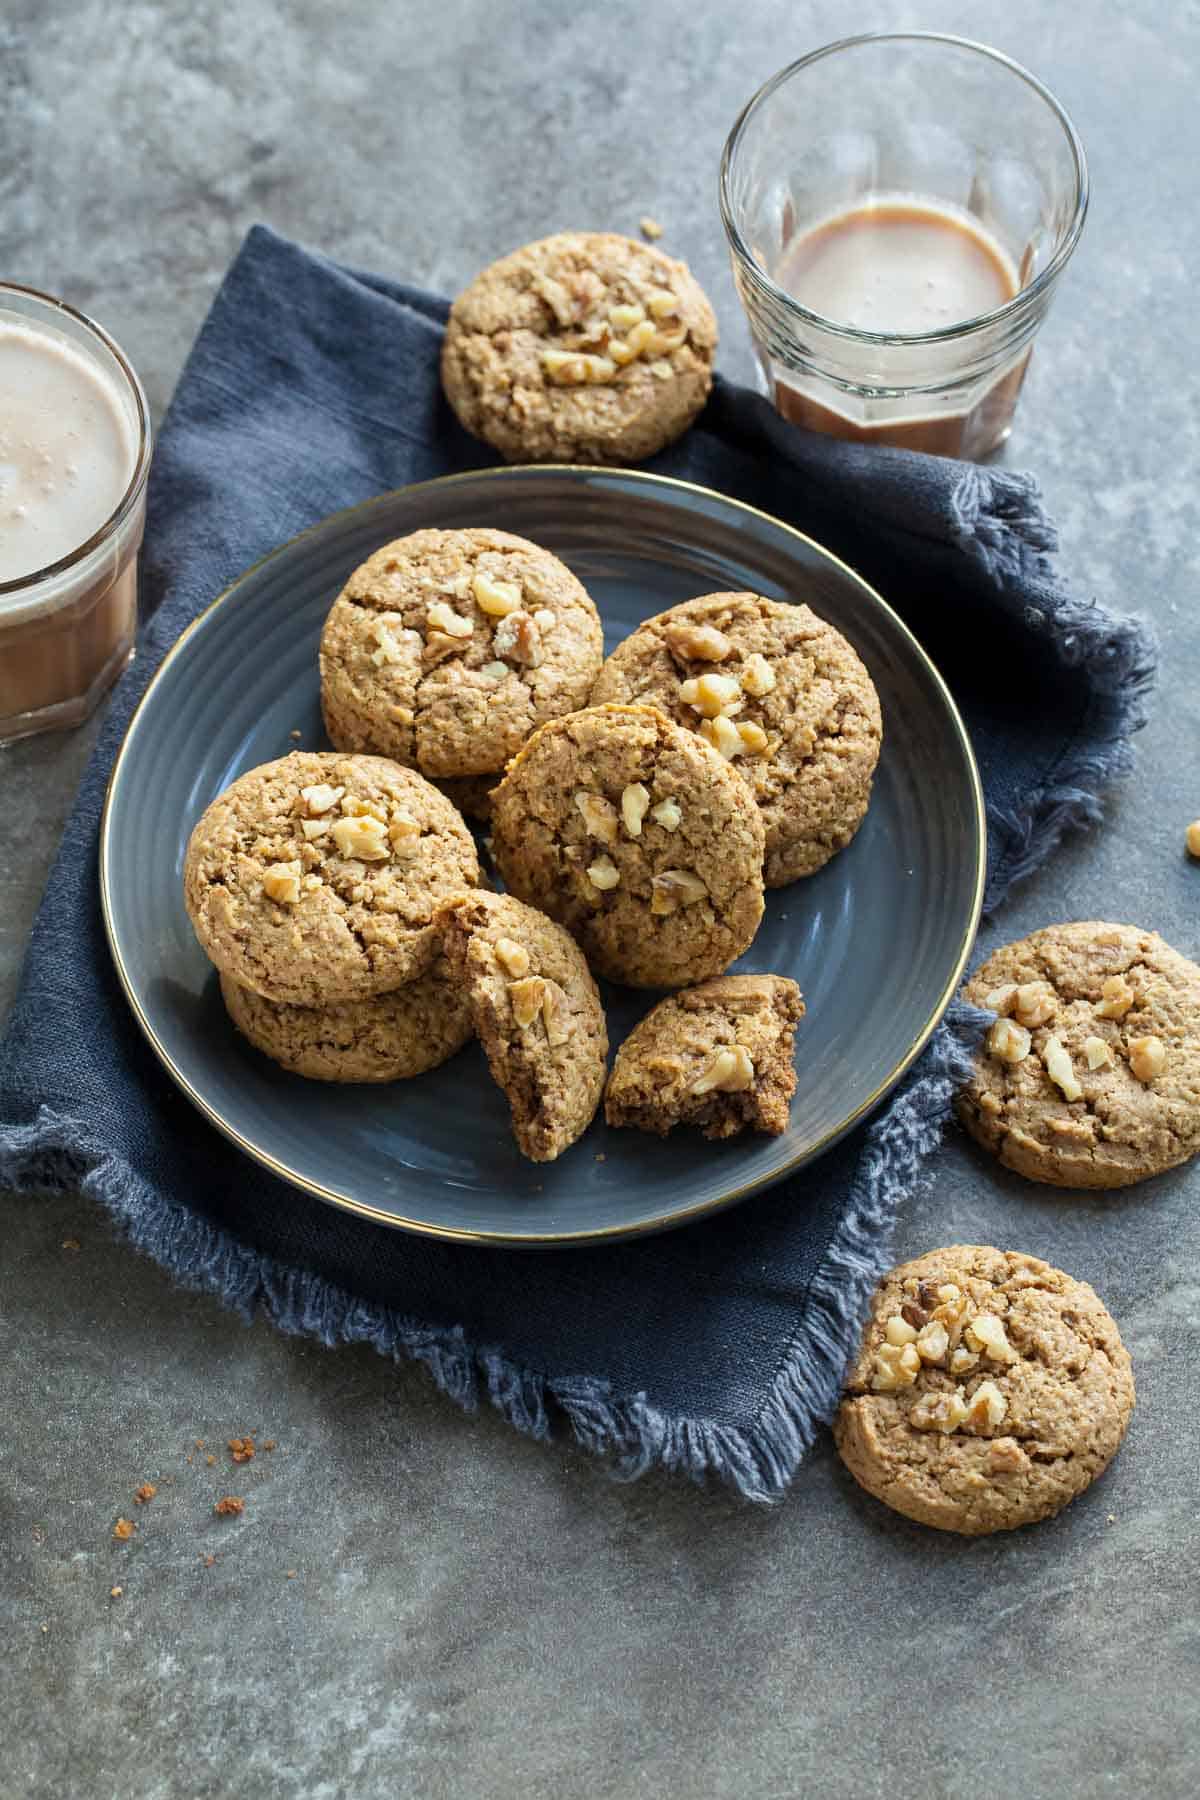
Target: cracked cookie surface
[315,878]
[639,838]
[990,1390]
[445,649]
[584,347]
[537,1013]
[389,1037]
[782,695]
[1100,996]
[717,1057]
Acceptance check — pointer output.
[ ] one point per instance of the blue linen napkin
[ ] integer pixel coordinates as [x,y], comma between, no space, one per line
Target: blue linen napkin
[718,1348]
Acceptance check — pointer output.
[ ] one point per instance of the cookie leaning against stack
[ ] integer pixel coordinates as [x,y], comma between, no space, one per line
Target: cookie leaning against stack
[584,347]
[312,883]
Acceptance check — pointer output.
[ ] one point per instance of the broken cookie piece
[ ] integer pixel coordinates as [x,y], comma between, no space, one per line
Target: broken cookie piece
[717,1056]
[536,1011]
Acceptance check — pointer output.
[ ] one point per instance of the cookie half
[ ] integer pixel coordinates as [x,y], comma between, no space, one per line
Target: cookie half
[778,692]
[445,649]
[388,1038]
[639,838]
[1090,1077]
[537,1013]
[315,878]
[584,347]
[717,1056]
[989,1391]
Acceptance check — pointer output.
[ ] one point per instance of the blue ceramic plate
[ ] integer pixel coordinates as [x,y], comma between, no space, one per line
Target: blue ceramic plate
[877,940]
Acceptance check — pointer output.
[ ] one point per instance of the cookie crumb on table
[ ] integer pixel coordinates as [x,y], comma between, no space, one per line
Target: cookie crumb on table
[650,228]
[71,1244]
[145,1493]
[123,1530]
[242,1448]
[230,1507]
[115,1593]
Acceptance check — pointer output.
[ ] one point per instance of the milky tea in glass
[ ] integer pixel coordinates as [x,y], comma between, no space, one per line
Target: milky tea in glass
[899,210]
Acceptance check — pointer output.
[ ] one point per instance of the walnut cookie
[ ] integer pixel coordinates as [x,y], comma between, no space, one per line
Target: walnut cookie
[782,695]
[717,1056]
[315,879]
[536,1012]
[638,837]
[585,347]
[390,1037]
[990,1390]
[445,649]
[1090,1077]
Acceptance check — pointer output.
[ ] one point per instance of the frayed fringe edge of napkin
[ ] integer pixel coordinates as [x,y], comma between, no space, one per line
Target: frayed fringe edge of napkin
[55,1152]
[999,514]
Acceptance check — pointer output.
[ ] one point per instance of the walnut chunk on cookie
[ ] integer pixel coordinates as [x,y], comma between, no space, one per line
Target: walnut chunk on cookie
[584,347]
[638,838]
[777,692]
[1099,1087]
[1014,1430]
[445,649]
[717,1057]
[537,1013]
[310,918]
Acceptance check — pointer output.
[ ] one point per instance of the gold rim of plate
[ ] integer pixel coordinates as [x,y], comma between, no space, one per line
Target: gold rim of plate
[685,1215]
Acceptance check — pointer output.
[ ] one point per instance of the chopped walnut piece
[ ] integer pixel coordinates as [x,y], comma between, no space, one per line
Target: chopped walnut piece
[754,738]
[363,838]
[496,598]
[1001,1000]
[1006,1457]
[635,803]
[697,643]
[896,1366]
[518,636]
[1147,1057]
[914,1315]
[961,1360]
[949,1292]
[661,369]
[391,644]
[1117,998]
[281,882]
[1035,1002]
[401,715]
[1008,1042]
[404,833]
[439,645]
[527,997]
[667,814]
[320,799]
[663,342]
[938,1412]
[624,318]
[649,228]
[710,694]
[1096,1052]
[604,873]
[575,368]
[987,1406]
[758,677]
[675,888]
[314,828]
[512,957]
[640,338]
[899,1331]
[662,304]
[560,302]
[599,816]
[442,617]
[933,1341]
[723,735]
[1192,838]
[1060,1069]
[556,1014]
[730,1071]
[986,1332]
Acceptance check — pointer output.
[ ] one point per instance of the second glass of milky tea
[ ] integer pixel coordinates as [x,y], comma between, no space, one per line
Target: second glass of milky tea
[900,209]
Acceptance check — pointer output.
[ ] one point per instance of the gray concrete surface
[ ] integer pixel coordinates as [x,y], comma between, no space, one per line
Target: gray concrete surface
[470,1614]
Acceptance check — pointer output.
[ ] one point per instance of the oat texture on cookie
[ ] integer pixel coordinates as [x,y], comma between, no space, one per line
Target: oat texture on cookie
[584,347]
[314,879]
[445,649]
[989,1391]
[1090,1075]
[537,1013]
[777,692]
[636,835]
[717,1057]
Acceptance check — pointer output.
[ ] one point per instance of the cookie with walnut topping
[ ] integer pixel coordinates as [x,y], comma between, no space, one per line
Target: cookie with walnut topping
[990,1390]
[537,1013]
[1090,1077]
[445,649]
[639,838]
[315,878]
[585,347]
[717,1056]
[779,693]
